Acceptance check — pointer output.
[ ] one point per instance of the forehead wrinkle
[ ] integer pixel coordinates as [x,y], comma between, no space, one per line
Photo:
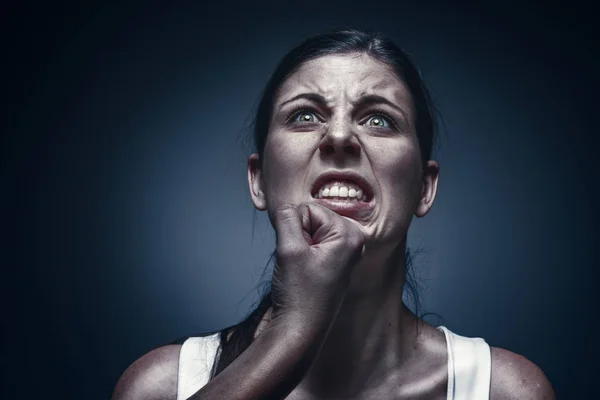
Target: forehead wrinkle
[389,85]
[309,76]
[301,86]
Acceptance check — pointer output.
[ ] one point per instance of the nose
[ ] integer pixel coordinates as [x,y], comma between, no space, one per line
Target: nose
[340,140]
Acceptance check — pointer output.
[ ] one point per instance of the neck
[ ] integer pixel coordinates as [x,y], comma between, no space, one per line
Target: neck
[373,334]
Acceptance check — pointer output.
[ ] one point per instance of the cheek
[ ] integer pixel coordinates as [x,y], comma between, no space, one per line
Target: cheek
[400,163]
[399,168]
[285,165]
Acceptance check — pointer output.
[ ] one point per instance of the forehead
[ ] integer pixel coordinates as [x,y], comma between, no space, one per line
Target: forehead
[349,76]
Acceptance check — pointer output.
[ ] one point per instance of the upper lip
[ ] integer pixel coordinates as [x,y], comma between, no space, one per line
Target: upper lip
[350,176]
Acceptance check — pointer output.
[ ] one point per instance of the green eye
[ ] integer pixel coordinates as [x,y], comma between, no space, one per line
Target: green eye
[378,121]
[305,117]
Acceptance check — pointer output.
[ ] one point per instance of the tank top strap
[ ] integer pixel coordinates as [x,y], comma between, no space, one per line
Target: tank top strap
[196,359]
[469,366]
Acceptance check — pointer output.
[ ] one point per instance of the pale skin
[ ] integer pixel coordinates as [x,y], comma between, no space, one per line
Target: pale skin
[373,349]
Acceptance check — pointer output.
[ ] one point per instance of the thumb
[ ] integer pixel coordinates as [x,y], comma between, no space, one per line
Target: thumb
[318,222]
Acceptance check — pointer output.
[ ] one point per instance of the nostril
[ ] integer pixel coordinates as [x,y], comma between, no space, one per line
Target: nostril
[348,149]
[327,149]
[351,149]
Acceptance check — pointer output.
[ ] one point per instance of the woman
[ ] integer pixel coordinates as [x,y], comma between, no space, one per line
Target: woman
[344,135]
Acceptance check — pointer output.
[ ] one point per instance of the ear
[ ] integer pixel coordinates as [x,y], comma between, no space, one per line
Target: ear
[431,175]
[255,182]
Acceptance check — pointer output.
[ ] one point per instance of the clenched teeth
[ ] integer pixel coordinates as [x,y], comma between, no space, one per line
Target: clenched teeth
[342,191]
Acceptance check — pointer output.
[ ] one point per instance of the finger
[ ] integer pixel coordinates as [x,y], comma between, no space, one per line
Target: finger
[319,222]
[306,223]
[288,226]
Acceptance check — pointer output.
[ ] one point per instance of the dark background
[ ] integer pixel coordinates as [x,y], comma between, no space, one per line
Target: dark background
[125,212]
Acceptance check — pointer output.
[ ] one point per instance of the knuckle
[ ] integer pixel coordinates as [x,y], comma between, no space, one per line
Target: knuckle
[285,210]
[289,250]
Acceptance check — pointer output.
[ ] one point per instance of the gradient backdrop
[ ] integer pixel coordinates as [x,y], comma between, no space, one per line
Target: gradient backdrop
[125,211]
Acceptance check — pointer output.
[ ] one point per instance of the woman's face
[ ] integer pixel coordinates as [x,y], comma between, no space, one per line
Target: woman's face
[344,125]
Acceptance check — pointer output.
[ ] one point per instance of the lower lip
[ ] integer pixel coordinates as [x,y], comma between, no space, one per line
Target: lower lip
[348,208]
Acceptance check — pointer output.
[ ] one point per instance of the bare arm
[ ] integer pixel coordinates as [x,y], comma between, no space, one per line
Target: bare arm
[270,368]
[152,377]
[316,252]
[514,377]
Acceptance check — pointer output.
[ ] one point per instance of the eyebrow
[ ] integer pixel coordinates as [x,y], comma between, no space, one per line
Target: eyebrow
[317,98]
[371,99]
[365,100]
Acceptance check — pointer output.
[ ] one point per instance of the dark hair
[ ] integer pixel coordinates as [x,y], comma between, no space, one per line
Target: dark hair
[345,41]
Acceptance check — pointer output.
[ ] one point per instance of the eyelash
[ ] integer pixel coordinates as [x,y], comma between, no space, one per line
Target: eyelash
[302,109]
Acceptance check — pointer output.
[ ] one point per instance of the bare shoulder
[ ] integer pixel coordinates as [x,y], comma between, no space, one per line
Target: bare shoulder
[152,376]
[515,377]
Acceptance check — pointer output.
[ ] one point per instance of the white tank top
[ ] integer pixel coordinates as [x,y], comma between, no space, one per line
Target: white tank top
[469,365]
